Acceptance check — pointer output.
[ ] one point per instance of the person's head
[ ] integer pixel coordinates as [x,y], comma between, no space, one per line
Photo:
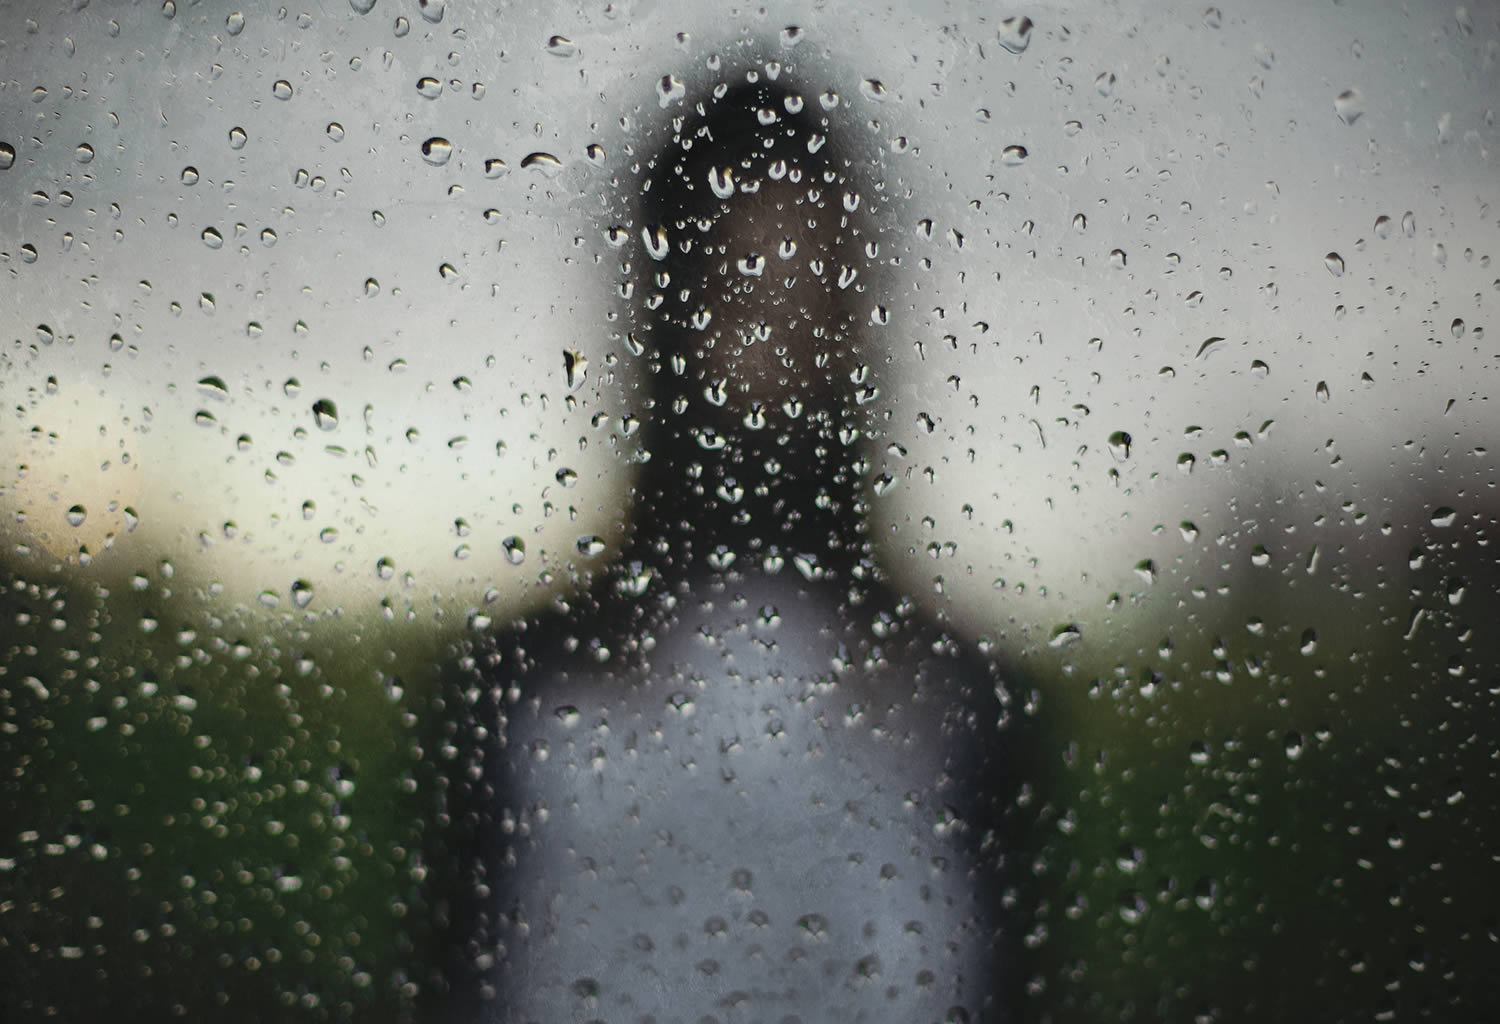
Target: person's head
[750,248]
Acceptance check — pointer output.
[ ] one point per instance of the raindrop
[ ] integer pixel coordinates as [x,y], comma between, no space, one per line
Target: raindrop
[791,35]
[325,414]
[1335,264]
[189,175]
[7,156]
[432,10]
[1457,328]
[235,23]
[1408,224]
[590,546]
[873,89]
[515,550]
[429,88]
[1015,33]
[655,238]
[302,593]
[1292,744]
[669,89]
[1443,516]
[1382,227]
[1065,636]
[437,151]
[372,287]
[561,46]
[721,180]
[282,89]
[212,238]
[1119,445]
[575,368]
[84,153]
[494,167]
[1013,156]
[237,138]
[1208,348]
[1349,105]
[362,6]
[546,163]
[76,515]
[214,387]
[1104,85]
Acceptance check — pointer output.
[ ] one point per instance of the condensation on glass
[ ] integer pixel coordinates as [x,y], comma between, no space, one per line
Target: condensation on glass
[1129,661]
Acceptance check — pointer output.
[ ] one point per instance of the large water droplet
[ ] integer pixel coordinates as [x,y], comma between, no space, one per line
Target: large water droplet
[7,156]
[1015,33]
[545,163]
[429,88]
[1349,105]
[325,414]
[437,151]
[282,89]
[575,368]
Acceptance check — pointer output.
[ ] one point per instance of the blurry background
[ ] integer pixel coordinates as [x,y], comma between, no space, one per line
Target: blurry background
[311,365]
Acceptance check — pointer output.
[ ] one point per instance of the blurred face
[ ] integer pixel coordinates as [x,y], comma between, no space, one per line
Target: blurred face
[757,253]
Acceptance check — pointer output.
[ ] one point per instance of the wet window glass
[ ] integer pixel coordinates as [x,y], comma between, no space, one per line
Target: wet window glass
[643,513]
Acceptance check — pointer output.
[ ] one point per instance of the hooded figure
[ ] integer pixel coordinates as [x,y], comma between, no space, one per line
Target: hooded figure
[741,778]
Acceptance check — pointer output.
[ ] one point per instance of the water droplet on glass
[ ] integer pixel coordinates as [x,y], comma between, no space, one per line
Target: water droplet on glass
[655,238]
[1119,445]
[1208,348]
[7,156]
[1443,516]
[214,387]
[212,238]
[721,181]
[669,89]
[494,167]
[437,151]
[515,550]
[575,368]
[1408,224]
[545,163]
[1064,636]
[873,89]
[1382,227]
[1015,33]
[235,23]
[432,10]
[590,546]
[302,593]
[237,138]
[1349,105]
[76,515]
[325,414]
[561,46]
[282,89]
[84,153]
[429,88]
[1013,156]
[1104,84]
[362,6]
[1335,264]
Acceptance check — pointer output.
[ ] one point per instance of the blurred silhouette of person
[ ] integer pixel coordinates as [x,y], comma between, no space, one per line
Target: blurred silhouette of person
[742,778]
